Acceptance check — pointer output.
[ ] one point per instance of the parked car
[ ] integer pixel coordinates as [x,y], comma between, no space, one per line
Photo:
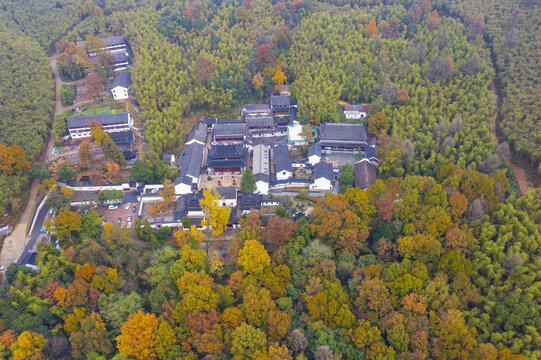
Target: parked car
[2,268]
[154,191]
[118,219]
[43,231]
[129,218]
[113,207]
[127,206]
[122,224]
[128,225]
[133,209]
[51,211]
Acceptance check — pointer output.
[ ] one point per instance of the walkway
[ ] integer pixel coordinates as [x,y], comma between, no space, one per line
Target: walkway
[15,243]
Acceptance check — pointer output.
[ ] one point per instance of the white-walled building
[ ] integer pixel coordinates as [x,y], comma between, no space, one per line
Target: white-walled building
[282,163]
[323,176]
[314,154]
[261,168]
[120,86]
[356,111]
[79,126]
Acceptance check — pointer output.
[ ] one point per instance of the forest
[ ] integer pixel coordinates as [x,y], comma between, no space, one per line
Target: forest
[412,268]
[512,29]
[438,260]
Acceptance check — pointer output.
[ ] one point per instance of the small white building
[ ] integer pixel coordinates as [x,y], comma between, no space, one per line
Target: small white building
[261,168]
[282,163]
[120,86]
[323,176]
[294,136]
[356,111]
[314,154]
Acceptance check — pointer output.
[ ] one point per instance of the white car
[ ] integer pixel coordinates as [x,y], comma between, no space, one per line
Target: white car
[127,206]
[113,207]
[128,225]
[2,268]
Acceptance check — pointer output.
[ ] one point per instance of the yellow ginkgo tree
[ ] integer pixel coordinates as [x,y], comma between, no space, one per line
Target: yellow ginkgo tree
[215,216]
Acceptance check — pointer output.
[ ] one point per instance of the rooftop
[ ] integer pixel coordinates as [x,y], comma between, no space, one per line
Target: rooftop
[260,163]
[75,122]
[334,131]
[109,41]
[198,133]
[280,101]
[259,121]
[229,129]
[314,150]
[255,108]
[365,174]
[122,138]
[227,192]
[121,79]
[358,108]
[323,170]
[250,201]
[281,158]
[190,161]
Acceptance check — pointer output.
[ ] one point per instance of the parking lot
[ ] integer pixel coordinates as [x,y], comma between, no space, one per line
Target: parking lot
[122,212]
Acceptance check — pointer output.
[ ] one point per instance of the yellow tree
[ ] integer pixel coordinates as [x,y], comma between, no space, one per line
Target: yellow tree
[190,237]
[138,336]
[279,79]
[27,345]
[253,258]
[215,216]
[47,185]
[165,206]
[257,81]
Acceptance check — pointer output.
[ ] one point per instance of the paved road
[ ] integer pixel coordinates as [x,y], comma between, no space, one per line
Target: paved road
[34,237]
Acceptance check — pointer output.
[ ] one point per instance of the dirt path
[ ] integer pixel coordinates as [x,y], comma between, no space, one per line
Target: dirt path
[520,173]
[58,84]
[14,244]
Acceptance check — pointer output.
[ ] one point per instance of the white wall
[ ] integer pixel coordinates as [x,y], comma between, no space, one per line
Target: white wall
[314,159]
[262,187]
[120,93]
[283,175]
[321,184]
[182,189]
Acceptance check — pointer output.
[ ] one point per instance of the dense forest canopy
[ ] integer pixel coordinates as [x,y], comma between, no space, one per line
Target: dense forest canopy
[439,259]
[512,29]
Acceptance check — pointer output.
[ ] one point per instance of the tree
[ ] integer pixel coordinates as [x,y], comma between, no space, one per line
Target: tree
[12,158]
[27,345]
[415,13]
[371,29]
[94,85]
[433,21]
[215,216]
[280,230]
[90,337]
[247,183]
[455,339]
[346,178]
[266,57]
[247,341]
[85,158]
[65,172]
[138,336]
[377,123]
[253,258]
[279,79]
[307,133]
[117,307]
[165,206]
[257,81]
[65,225]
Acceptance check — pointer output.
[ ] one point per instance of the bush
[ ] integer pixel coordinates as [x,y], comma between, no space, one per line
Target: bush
[68,94]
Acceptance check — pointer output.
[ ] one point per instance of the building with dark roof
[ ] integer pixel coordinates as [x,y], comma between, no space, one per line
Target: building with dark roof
[120,85]
[169,159]
[250,201]
[226,159]
[190,162]
[280,106]
[123,139]
[198,134]
[259,123]
[323,176]
[112,44]
[79,126]
[342,137]
[255,110]
[370,154]
[314,154]
[121,61]
[230,133]
[365,174]
[229,195]
[283,167]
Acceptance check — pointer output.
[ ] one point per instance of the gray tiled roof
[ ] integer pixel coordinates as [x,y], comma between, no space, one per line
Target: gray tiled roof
[121,79]
[314,150]
[120,57]
[282,162]
[259,121]
[229,129]
[323,170]
[198,133]
[227,156]
[109,41]
[122,138]
[75,122]
[190,162]
[262,177]
[365,174]
[227,192]
[280,101]
[342,134]
[360,108]
[255,108]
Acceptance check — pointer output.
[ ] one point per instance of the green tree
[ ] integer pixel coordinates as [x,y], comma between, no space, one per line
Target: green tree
[346,178]
[247,183]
